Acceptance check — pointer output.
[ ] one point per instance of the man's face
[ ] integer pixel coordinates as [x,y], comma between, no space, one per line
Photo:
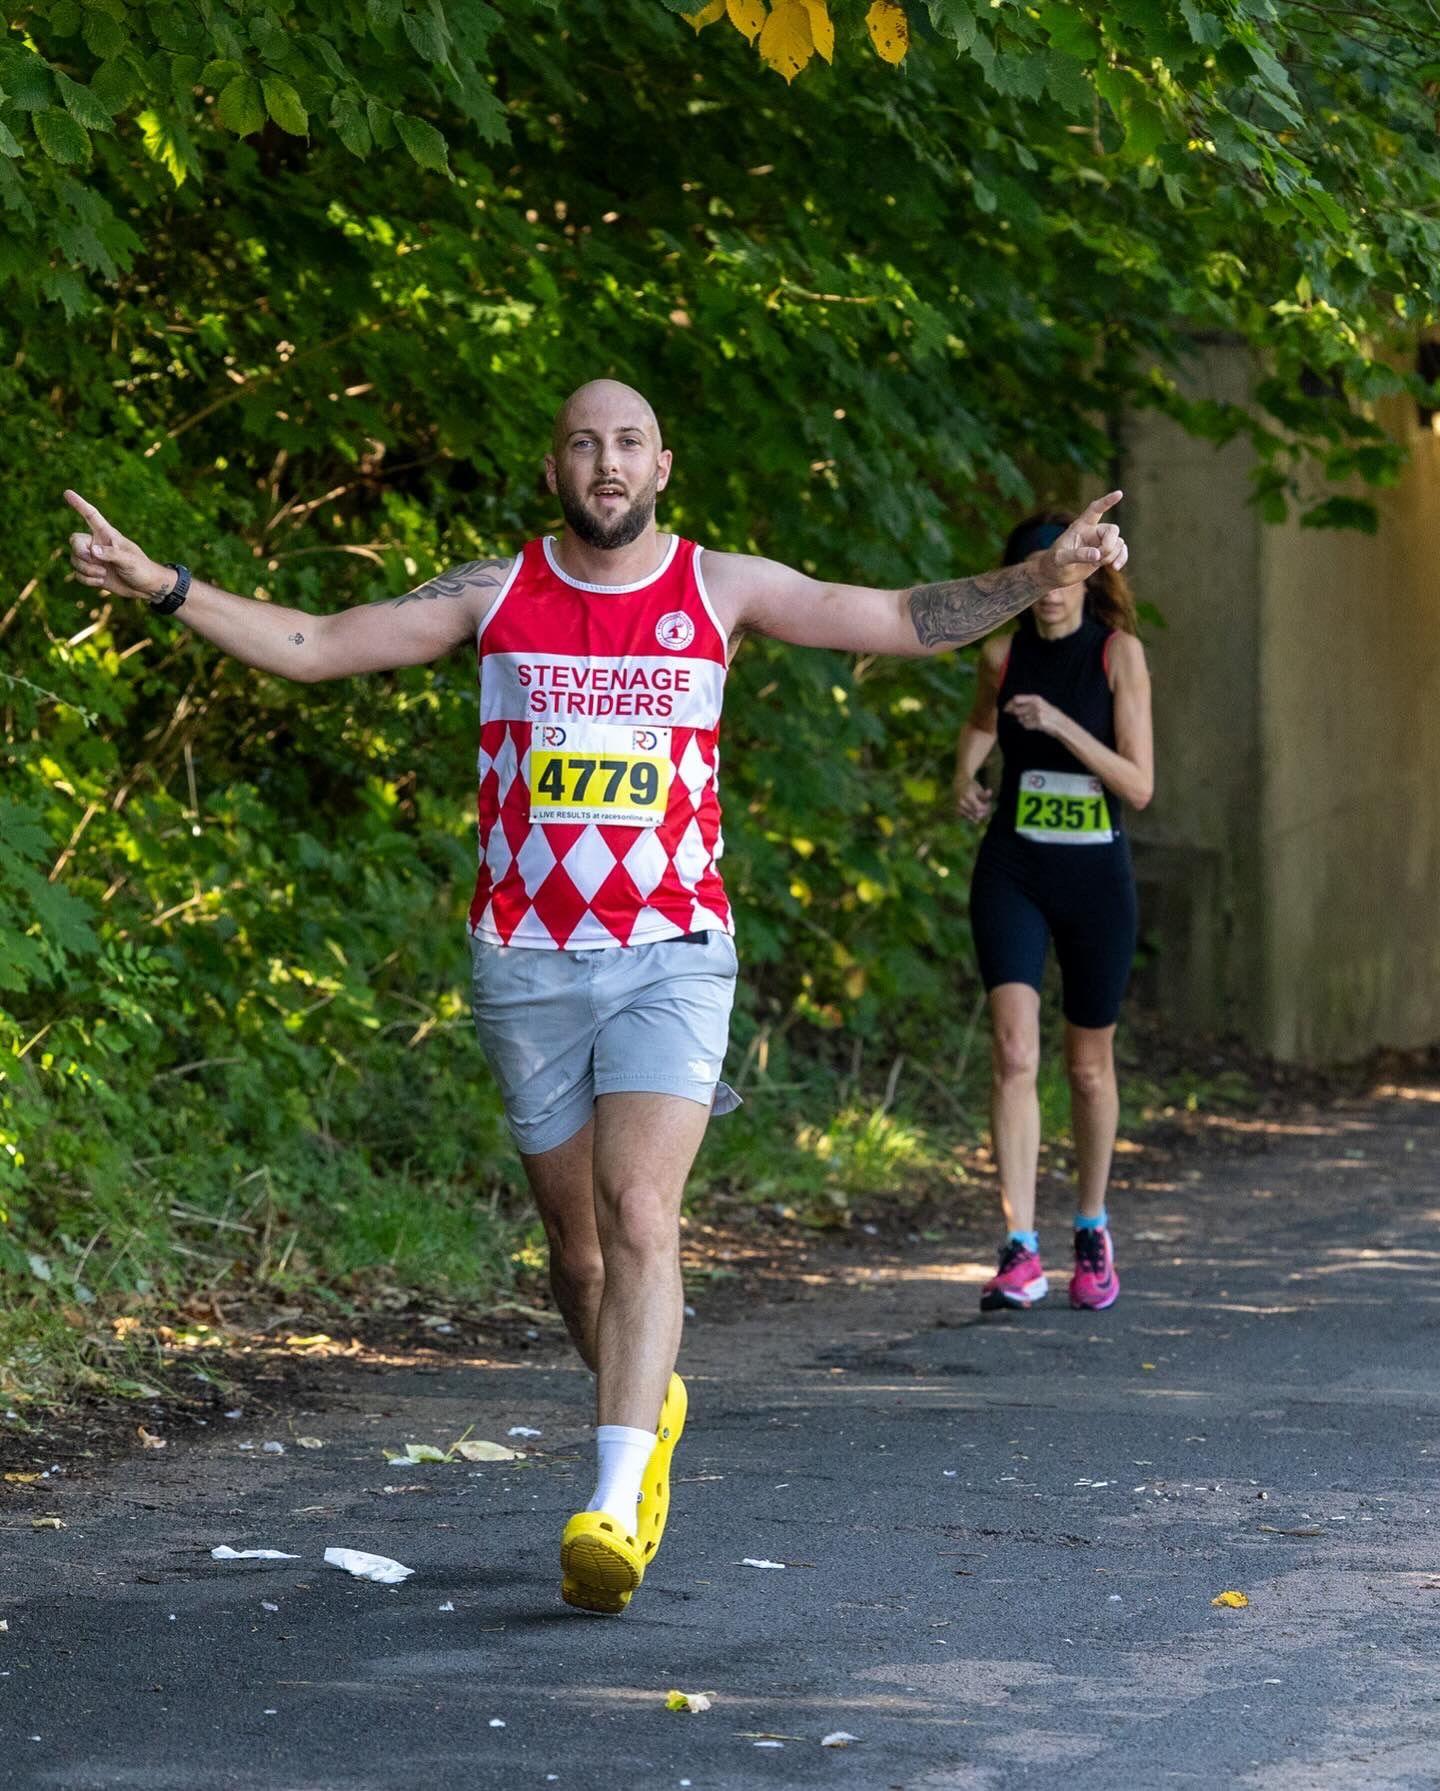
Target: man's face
[607,470]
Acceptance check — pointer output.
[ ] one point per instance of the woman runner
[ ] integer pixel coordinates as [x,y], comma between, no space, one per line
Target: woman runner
[1067,697]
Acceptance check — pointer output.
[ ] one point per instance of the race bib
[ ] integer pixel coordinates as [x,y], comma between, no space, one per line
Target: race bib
[598,771]
[1063,808]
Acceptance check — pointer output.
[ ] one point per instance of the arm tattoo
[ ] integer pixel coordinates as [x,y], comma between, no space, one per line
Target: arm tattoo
[477,575]
[962,609]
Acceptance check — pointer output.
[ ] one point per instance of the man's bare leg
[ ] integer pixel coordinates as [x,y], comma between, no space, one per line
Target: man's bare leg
[562,1182]
[644,1147]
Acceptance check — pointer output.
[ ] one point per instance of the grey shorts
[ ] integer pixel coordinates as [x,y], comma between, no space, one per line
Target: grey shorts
[559,1028]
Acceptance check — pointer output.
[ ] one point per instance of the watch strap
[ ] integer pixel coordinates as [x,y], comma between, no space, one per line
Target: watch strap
[167,605]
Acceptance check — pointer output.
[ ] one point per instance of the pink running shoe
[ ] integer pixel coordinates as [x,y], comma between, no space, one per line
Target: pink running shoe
[1019,1281]
[1094,1285]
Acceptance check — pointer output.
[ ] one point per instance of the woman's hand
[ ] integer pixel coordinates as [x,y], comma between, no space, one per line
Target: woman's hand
[1035,713]
[973,801]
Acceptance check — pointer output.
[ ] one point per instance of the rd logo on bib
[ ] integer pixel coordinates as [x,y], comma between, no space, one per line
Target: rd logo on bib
[1063,808]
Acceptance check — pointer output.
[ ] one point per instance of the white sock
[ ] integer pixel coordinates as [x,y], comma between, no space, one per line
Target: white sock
[622,1454]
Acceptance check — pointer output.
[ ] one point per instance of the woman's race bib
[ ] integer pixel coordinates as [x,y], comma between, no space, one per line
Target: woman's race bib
[1063,808]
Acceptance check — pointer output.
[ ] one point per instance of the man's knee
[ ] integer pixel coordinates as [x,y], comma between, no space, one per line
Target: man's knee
[577,1266]
[638,1220]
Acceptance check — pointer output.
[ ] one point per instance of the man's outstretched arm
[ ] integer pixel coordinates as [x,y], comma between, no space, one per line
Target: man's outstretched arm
[920,619]
[373,637]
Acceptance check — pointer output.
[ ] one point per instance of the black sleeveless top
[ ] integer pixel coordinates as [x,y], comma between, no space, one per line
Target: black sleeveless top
[1070,673]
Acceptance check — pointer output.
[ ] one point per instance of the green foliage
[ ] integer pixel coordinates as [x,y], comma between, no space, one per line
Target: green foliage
[293,291]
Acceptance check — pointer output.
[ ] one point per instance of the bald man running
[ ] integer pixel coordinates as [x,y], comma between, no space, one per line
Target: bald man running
[603,964]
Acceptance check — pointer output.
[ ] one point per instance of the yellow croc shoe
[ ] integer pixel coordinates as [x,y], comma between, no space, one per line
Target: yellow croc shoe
[600,1565]
[655,1487]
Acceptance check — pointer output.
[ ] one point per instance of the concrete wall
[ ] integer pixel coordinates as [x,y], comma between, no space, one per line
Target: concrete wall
[1350,742]
[1290,864]
[1195,555]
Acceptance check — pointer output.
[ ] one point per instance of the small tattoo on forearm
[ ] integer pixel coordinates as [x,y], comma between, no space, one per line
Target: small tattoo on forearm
[297,640]
[474,575]
[962,609]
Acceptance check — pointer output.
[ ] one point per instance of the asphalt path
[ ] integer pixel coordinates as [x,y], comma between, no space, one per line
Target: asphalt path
[1001,1537]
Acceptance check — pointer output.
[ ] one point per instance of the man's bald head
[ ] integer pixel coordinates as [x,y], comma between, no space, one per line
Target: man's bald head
[603,405]
[607,463]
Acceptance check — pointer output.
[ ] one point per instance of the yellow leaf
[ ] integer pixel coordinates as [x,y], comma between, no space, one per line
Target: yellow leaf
[22,1479]
[46,1523]
[747,16]
[707,15]
[1232,1601]
[889,30]
[822,28]
[695,1702]
[148,1440]
[785,42]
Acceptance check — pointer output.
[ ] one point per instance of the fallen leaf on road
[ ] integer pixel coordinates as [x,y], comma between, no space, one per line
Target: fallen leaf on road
[487,1452]
[310,1442]
[22,1479]
[1275,1530]
[695,1702]
[1149,1367]
[841,1738]
[46,1523]
[1232,1601]
[416,1452]
[749,1561]
[148,1441]
[379,1568]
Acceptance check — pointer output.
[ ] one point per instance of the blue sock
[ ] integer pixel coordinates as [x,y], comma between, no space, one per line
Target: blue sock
[1030,1239]
[1098,1223]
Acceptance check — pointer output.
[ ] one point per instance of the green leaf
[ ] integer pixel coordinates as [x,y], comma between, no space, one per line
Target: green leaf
[62,139]
[426,145]
[220,71]
[168,142]
[8,144]
[104,36]
[351,128]
[426,37]
[283,104]
[27,81]
[1070,32]
[1068,84]
[115,85]
[382,123]
[328,54]
[383,15]
[241,106]
[82,104]
[1343,513]
[65,18]
[1145,128]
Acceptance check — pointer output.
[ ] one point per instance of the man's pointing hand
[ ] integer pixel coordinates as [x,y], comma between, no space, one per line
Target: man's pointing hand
[109,561]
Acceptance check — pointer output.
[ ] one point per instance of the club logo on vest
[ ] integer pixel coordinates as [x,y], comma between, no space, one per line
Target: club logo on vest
[645,740]
[675,631]
[552,736]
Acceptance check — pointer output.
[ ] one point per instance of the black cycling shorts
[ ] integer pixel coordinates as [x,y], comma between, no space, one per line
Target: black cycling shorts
[1023,895]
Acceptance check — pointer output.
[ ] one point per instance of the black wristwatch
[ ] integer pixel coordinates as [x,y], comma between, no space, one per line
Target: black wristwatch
[167,606]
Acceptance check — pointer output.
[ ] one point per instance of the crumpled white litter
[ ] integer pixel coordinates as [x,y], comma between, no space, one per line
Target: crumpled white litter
[379,1568]
[521,1430]
[750,1562]
[840,1738]
[226,1553]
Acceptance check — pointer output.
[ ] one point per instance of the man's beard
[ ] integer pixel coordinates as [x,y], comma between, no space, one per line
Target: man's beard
[626,527]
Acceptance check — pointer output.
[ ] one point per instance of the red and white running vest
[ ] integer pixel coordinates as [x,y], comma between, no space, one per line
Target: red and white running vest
[599,761]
